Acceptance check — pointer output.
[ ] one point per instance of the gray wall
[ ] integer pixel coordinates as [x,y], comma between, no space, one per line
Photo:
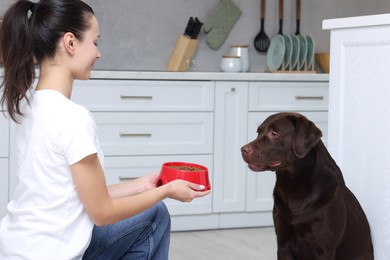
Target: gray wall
[141,34]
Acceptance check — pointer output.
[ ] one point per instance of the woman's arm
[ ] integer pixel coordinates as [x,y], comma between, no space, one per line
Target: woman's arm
[132,187]
[91,186]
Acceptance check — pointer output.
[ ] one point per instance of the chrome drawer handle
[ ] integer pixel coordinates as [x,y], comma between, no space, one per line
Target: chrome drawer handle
[127,178]
[309,97]
[136,97]
[135,135]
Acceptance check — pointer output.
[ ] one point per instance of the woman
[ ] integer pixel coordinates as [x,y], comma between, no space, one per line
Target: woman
[62,192]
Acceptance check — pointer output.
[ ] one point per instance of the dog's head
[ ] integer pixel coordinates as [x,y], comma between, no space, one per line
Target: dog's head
[282,139]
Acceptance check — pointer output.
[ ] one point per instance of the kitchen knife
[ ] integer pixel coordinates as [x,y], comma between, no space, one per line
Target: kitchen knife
[190,27]
[197,28]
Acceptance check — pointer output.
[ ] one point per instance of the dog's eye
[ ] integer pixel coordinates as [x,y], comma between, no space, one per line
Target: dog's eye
[274,134]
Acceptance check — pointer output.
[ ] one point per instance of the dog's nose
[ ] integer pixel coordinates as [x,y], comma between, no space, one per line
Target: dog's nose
[246,149]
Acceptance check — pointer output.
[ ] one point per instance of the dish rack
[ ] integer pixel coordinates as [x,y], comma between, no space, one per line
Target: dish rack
[289,69]
[291,54]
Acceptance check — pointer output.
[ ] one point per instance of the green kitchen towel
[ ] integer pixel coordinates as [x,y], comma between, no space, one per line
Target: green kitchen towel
[220,23]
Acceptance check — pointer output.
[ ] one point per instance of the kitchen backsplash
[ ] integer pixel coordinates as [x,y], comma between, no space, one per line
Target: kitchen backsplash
[141,34]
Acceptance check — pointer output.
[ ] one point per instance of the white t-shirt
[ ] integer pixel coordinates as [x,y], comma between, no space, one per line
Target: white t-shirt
[46,219]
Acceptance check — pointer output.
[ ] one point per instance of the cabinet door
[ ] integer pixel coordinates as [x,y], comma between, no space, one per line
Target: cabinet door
[119,169]
[260,185]
[3,185]
[4,135]
[4,163]
[231,112]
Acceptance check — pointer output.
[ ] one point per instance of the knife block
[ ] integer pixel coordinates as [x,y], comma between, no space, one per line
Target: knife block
[182,54]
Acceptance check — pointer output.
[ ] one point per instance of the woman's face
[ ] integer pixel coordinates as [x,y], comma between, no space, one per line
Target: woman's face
[87,52]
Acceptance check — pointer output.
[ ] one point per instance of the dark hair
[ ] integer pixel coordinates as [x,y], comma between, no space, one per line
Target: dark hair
[31,31]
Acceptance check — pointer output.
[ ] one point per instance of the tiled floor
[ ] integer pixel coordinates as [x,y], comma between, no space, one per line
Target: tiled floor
[228,244]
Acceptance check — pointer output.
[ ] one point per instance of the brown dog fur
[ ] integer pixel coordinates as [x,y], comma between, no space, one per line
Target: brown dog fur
[315,215]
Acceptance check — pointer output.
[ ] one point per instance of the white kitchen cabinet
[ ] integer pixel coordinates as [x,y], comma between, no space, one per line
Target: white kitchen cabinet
[3,185]
[240,107]
[139,134]
[4,136]
[4,162]
[359,125]
[230,134]
[144,123]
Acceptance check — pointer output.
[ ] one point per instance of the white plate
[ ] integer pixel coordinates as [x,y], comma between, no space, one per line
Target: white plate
[275,53]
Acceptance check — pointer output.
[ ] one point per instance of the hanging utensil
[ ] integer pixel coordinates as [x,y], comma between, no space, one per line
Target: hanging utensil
[298,15]
[261,41]
[280,17]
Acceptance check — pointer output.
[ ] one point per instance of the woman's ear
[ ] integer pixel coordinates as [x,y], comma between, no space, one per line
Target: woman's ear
[68,41]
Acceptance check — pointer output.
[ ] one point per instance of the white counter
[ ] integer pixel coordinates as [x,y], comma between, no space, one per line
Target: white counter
[163,75]
[358,21]
[156,75]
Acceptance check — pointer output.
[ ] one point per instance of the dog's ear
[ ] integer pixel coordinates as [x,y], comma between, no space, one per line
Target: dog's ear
[306,136]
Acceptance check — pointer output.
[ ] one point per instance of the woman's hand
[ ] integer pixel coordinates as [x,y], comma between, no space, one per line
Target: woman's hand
[150,180]
[185,191]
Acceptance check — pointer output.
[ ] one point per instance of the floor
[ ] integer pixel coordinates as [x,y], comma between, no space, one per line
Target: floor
[227,244]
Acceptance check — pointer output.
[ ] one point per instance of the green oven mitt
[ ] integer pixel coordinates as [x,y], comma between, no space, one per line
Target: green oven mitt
[220,23]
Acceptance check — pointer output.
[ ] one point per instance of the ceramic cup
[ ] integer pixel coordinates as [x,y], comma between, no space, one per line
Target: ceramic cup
[230,63]
[243,53]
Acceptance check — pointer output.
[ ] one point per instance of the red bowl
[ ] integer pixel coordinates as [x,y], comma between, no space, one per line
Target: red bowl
[191,172]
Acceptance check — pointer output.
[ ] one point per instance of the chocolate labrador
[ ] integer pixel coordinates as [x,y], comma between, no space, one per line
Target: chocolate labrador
[315,215]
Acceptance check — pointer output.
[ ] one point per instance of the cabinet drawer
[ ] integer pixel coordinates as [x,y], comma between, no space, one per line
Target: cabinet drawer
[291,96]
[155,133]
[126,95]
[118,169]
[4,135]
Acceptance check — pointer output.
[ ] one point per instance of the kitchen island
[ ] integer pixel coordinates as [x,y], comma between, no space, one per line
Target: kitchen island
[147,118]
[359,108]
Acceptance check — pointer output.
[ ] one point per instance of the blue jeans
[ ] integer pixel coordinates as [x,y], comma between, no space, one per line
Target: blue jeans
[144,236]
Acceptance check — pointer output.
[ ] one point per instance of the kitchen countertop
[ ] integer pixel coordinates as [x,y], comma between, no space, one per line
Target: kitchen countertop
[162,75]
[205,76]
[358,21]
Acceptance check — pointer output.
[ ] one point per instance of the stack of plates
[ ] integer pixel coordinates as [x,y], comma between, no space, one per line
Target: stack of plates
[290,52]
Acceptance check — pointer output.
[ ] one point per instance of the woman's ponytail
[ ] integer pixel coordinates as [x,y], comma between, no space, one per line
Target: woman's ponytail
[17,52]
